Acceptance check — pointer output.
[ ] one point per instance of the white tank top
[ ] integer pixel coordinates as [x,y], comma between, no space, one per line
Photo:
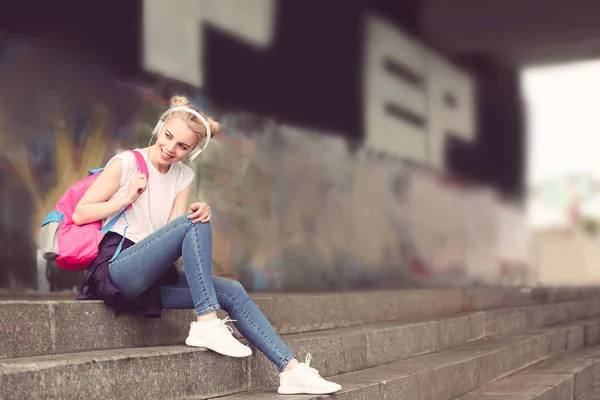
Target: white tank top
[152,209]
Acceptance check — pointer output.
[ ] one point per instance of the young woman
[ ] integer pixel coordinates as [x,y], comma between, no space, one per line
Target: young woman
[159,229]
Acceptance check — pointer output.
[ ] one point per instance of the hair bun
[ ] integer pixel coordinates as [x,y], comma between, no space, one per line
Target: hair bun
[178,101]
[215,127]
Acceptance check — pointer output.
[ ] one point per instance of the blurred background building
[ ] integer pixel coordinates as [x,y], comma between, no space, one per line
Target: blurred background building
[563,171]
[367,144]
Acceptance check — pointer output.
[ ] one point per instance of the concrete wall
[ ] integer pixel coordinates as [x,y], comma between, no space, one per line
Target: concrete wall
[295,207]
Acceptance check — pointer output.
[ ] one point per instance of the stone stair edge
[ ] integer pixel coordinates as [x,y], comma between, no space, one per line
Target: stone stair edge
[592,394]
[375,382]
[531,295]
[363,329]
[492,348]
[61,367]
[63,334]
[525,289]
[578,370]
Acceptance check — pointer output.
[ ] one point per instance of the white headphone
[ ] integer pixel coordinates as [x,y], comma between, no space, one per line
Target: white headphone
[163,119]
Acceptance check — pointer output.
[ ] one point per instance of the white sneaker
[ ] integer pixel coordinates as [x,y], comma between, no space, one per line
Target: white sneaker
[216,336]
[302,379]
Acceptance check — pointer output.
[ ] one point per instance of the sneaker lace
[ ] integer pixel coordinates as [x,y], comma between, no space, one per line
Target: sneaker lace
[227,327]
[309,369]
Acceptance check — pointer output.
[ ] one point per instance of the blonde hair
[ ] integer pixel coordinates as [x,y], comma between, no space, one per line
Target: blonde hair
[195,124]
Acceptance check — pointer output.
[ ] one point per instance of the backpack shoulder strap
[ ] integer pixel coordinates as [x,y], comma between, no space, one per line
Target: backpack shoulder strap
[143,168]
[141,162]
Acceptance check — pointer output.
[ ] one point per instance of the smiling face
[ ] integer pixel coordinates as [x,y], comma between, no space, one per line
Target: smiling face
[174,143]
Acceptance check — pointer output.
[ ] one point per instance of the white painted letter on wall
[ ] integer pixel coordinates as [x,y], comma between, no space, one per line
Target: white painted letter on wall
[173,32]
[414,98]
[384,89]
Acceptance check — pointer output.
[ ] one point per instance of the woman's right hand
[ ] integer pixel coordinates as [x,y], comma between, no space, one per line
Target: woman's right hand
[137,186]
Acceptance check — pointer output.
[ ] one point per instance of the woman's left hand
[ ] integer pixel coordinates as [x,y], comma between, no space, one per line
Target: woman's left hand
[200,212]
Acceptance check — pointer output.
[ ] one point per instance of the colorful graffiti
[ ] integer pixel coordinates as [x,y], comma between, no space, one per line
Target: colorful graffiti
[297,210]
[58,118]
[294,209]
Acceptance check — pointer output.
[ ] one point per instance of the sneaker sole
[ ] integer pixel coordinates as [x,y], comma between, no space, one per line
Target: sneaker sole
[194,342]
[301,390]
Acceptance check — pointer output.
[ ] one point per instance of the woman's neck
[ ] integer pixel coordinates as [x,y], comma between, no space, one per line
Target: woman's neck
[153,157]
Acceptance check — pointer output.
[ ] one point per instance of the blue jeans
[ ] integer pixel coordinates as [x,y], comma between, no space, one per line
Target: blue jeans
[139,266]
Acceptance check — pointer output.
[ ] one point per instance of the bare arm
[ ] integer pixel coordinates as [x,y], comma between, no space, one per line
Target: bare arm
[180,206]
[94,205]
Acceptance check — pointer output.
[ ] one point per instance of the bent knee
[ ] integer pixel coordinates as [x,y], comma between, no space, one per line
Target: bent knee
[234,286]
[204,227]
[230,286]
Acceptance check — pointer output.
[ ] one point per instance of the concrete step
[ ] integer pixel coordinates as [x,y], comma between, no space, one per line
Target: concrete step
[33,328]
[336,351]
[530,387]
[567,376]
[593,394]
[171,371]
[511,320]
[565,294]
[448,374]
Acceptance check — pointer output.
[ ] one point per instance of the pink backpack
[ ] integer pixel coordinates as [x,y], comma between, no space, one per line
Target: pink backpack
[71,246]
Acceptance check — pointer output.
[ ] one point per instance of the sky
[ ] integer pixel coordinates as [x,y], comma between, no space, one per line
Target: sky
[563,122]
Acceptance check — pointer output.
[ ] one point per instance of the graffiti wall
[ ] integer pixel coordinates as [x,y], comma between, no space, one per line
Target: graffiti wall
[59,117]
[293,209]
